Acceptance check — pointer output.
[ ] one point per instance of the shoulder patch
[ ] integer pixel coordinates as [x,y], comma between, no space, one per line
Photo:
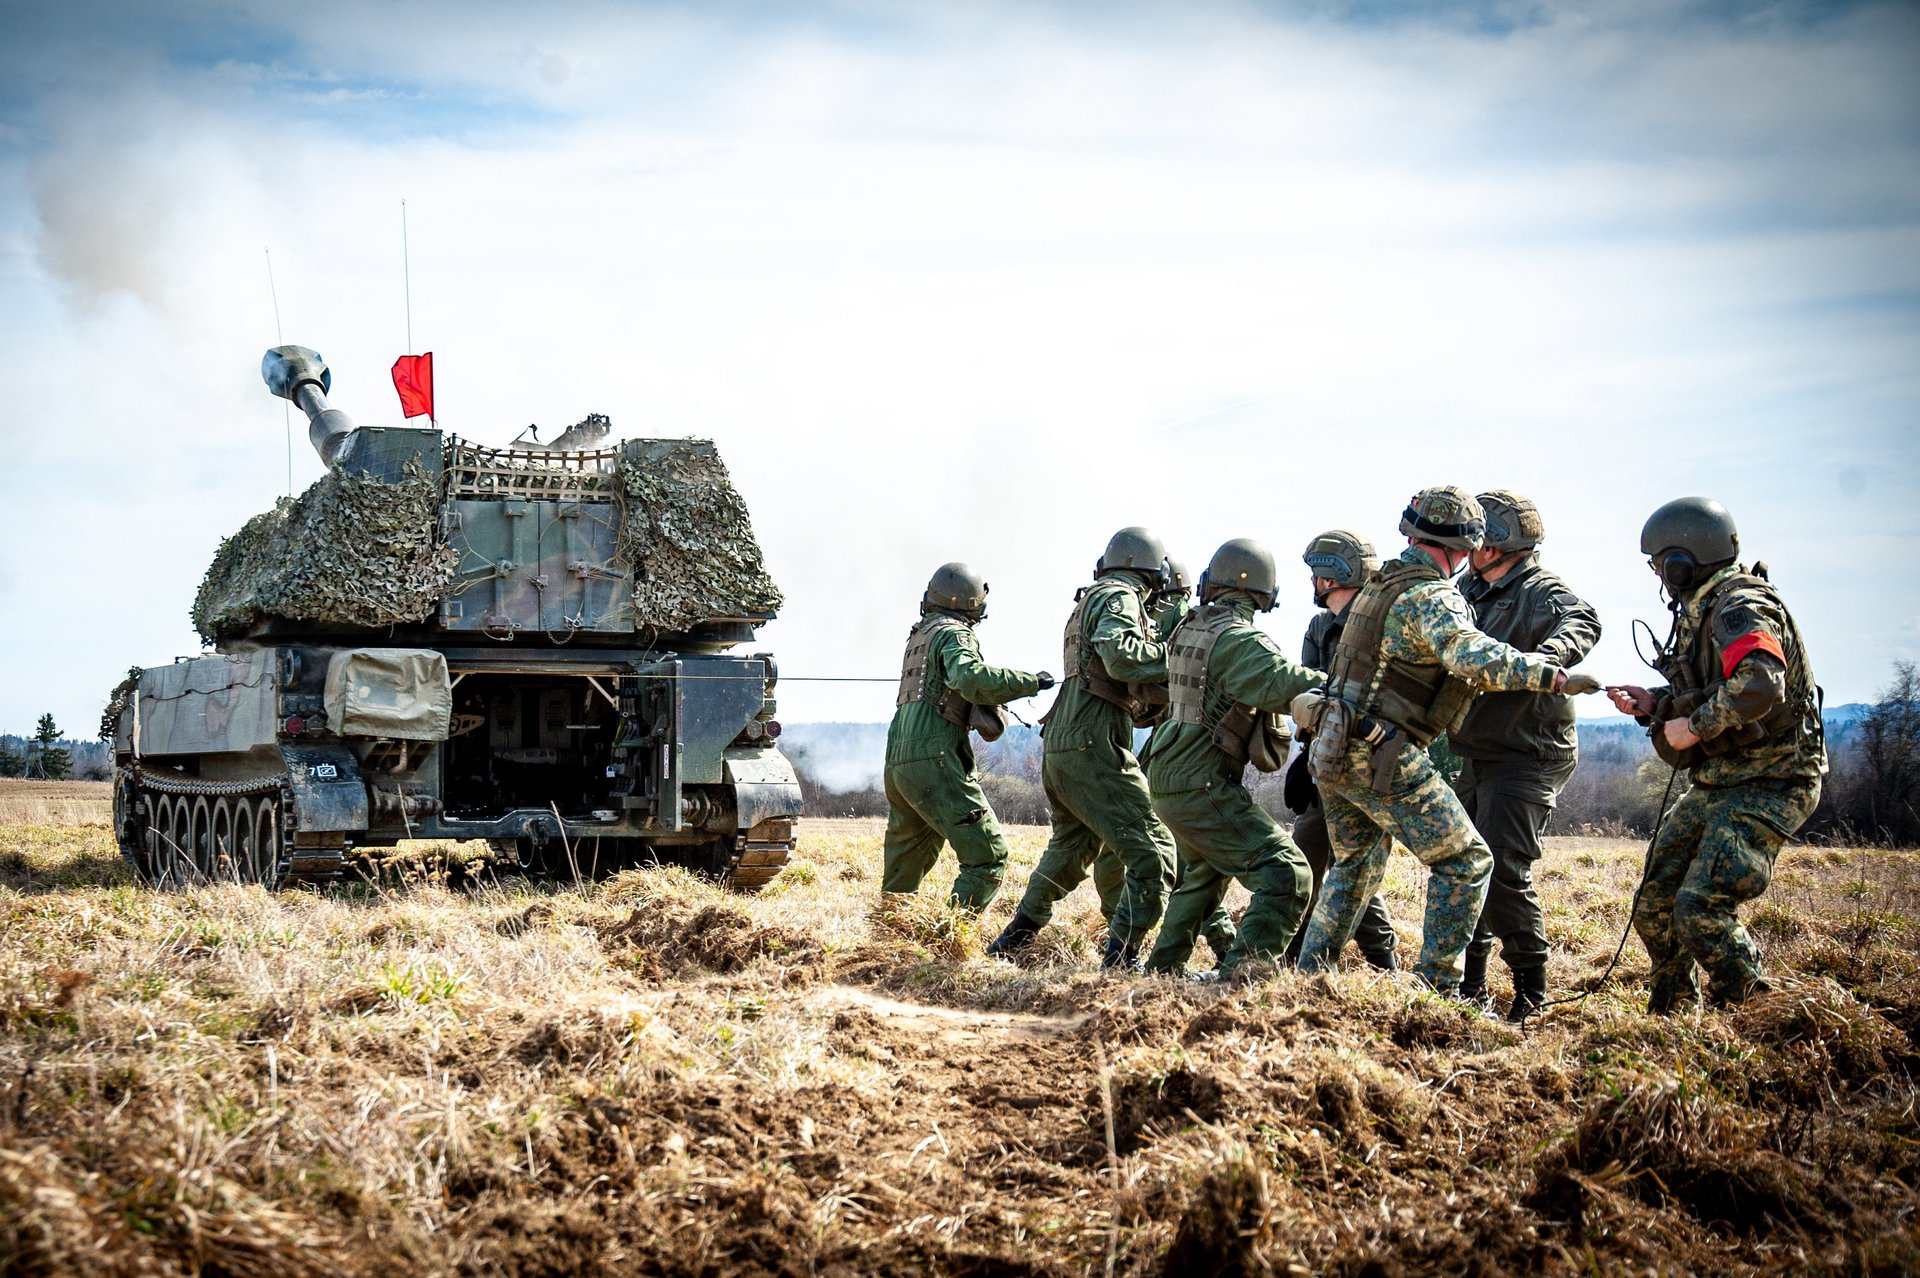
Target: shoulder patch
[1117,606]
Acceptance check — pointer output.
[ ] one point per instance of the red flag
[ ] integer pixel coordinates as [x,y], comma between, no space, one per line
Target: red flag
[413,378]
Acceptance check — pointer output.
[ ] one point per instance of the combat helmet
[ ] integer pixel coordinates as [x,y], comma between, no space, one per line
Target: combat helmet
[1445,516]
[1688,539]
[1241,564]
[1136,548]
[1174,578]
[956,587]
[1341,556]
[1513,521]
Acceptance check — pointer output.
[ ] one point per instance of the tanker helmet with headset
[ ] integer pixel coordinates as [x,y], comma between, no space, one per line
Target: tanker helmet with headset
[1140,551]
[1687,541]
[1240,564]
[958,588]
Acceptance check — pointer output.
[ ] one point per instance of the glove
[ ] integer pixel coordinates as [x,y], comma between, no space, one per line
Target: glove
[1044,679]
[1298,789]
[1573,684]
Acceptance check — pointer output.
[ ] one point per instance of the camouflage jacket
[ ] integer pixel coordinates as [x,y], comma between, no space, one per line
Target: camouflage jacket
[1431,625]
[1246,667]
[953,662]
[1114,624]
[1741,648]
[1532,609]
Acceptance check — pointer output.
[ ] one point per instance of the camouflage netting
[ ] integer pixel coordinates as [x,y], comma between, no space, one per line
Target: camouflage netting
[686,531]
[351,550]
[357,551]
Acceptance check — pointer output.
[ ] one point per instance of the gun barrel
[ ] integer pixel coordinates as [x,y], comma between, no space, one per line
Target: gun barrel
[301,376]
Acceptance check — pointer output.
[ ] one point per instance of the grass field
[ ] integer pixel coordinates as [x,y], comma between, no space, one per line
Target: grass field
[652,1076]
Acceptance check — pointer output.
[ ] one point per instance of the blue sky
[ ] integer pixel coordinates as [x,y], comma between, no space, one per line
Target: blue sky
[979,282]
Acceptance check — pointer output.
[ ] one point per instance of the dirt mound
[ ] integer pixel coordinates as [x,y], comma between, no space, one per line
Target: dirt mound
[666,937]
[1825,1031]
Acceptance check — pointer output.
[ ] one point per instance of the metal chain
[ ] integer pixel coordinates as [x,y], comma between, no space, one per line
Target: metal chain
[163,784]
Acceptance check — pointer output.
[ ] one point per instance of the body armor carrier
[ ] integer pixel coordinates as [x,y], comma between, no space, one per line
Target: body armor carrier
[988,721]
[1145,703]
[1422,700]
[1242,732]
[1694,676]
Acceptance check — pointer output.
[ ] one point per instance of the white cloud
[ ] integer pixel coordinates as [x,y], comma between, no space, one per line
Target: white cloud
[986,288]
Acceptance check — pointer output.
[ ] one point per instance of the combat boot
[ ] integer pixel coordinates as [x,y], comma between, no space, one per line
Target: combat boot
[1529,991]
[1473,986]
[1120,956]
[1016,936]
[1388,960]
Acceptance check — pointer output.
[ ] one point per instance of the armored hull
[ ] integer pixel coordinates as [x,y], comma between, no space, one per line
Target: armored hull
[445,641]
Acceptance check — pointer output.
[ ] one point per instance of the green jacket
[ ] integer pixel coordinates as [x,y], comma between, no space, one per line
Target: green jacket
[1533,610]
[1246,667]
[953,661]
[1115,625]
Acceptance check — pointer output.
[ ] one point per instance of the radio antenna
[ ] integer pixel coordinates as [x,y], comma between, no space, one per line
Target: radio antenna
[280,338]
[406,273]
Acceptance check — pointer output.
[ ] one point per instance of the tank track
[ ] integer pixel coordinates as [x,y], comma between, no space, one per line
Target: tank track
[754,864]
[299,861]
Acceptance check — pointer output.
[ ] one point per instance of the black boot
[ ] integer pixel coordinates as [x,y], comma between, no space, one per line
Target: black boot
[1529,991]
[1388,960]
[1120,956]
[1473,986]
[1016,936]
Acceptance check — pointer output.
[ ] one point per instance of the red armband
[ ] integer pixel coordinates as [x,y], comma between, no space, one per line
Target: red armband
[1745,646]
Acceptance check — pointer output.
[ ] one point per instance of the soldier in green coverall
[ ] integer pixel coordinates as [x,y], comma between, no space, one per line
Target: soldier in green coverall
[933,792]
[1408,665]
[1225,677]
[1741,714]
[1169,607]
[1093,781]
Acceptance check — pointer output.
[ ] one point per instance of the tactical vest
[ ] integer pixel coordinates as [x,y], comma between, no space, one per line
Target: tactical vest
[1423,700]
[914,685]
[1695,675]
[1242,732]
[1144,703]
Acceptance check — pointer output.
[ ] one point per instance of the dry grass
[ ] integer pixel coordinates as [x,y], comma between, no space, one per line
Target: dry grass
[654,1076]
[55,802]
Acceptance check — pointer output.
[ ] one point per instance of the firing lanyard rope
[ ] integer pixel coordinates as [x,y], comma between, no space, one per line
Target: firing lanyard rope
[1646,863]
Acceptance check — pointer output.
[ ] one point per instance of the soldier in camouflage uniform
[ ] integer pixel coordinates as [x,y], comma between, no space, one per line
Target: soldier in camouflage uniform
[1226,680]
[933,791]
[1408,665]
[1338,562]
[1518,750]
[1741,714]
[1093,781]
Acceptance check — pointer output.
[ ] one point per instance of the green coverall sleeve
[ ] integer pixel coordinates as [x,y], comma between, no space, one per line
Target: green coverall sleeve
[1122,638]
[984,685]
[1250,668]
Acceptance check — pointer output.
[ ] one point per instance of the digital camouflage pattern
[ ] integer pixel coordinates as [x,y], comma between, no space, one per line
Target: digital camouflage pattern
[1198,791]
[933,787]
[1716,849]
[1748,620]
[1429,624]
[351,550]
[1094,784]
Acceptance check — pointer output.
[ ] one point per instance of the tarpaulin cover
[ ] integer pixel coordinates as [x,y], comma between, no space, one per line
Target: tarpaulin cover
[389,692]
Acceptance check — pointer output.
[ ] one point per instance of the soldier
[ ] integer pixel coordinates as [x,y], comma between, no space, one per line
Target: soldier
[1407,666]
[1169,608]
[1338,561]
[933,792]
[1093,782]
[1742,714]
[1518,749]
[1225,681]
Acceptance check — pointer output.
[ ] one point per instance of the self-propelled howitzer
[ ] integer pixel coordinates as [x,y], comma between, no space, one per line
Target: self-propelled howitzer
[439,640]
